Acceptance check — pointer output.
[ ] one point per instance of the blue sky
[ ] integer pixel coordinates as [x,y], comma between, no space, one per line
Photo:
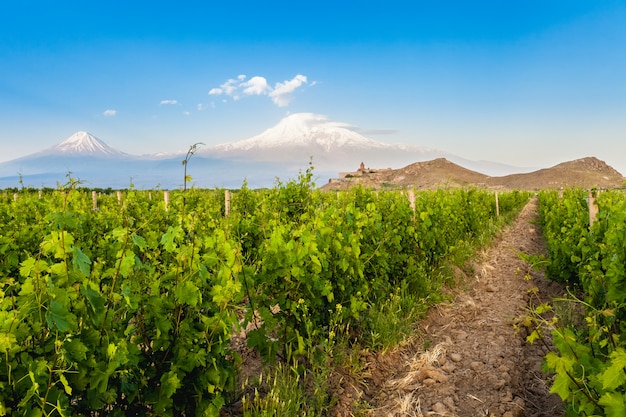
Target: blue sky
[530,83]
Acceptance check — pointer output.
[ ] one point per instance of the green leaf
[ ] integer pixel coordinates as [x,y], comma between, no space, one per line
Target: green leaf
[59,270]
[188,293]
[7,341]
[119,233]
[168,240]
[562,386]
[317,264]
[27,266]
[34,389]
[127,263]
[217,404]
[95,299]
[426,218]
[614,404]
[533,336]
[139,241]
[170,383]
[58,244]
[562,366]
[28,287]
[64,220]
[224,294]
[99,380]
[130,298]
[76,349]
[66,385]
[81,261]
[35,412]
[58,316]
[614,376]
[543,308]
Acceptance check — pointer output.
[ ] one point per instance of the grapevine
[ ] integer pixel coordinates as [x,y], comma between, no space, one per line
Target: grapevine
[128,307]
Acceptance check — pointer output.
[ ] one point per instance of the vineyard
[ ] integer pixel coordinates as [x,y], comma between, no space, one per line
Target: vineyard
[129,305]
[587,253]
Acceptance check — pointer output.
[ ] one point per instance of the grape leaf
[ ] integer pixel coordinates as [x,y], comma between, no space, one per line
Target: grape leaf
[139,241]
[81,261]
[614,404]
[170,383]
[168,240]
[614,376]
[187,293]
[58,316]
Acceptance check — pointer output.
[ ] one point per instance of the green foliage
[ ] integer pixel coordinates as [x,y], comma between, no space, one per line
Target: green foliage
[127,308]
[115,319]
[590,362]
[392,320]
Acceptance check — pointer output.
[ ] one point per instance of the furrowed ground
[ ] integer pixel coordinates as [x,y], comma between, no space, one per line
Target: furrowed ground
[470,358]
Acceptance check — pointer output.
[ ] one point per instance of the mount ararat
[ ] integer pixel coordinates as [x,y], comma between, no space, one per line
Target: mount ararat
[279,152]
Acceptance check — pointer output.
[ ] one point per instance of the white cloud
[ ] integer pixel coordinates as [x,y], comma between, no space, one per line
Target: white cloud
[200,106]
[186,113]
[109,112]
[283,92]
[230,87]
[169,101]
[256,86]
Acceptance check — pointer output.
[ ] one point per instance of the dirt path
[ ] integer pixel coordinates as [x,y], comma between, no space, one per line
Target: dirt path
[470,361]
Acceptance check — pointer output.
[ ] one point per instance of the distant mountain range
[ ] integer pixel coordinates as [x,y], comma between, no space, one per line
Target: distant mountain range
[279,152]
[587,172]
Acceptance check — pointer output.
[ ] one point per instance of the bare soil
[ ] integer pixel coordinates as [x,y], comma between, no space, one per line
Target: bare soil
[469,360]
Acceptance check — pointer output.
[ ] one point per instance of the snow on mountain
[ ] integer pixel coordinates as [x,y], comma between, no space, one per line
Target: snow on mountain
[279,152]
[304,130]
[83,143]
[332,146]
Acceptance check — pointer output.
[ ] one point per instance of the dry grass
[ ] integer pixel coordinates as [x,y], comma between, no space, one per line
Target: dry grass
[422,370]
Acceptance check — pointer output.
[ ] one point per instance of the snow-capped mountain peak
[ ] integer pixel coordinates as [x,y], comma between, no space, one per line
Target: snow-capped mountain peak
[305,130]
[83,143]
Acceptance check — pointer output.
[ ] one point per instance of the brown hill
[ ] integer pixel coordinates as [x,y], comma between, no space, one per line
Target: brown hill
[586,173]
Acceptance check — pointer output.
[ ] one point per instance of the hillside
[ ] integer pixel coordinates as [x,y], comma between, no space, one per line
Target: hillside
[586,172]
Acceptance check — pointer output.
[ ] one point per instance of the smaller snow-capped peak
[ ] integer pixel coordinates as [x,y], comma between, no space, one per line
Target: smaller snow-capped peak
[305,129]
[83,143]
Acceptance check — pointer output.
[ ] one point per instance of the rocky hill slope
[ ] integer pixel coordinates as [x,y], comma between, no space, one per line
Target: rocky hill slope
[586,172]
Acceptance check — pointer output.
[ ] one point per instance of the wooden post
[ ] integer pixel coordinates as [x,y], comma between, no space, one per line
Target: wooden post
[166,198]
[119,198]
[14,196]
[40,194]
[593,209]
[94,200]
[226,203]
[412,198]
[497,205]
